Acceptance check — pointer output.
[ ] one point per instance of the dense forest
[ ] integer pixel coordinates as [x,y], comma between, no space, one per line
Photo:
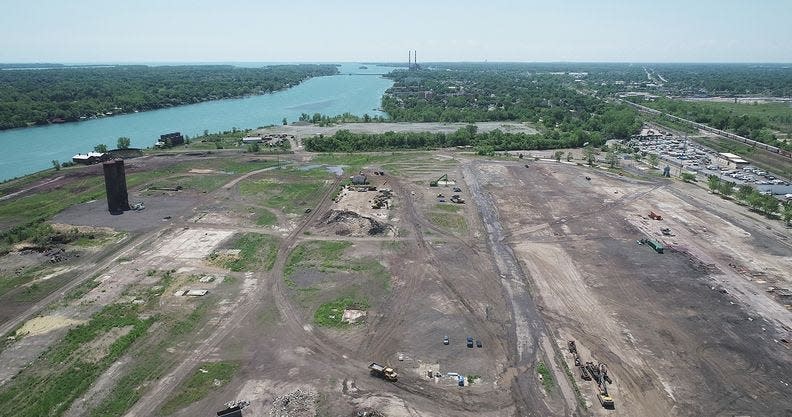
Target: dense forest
[760,122]
[67,94]
[508,92]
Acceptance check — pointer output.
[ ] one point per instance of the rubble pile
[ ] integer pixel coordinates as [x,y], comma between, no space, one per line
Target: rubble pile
[294,404]
[349,223]
[382,199]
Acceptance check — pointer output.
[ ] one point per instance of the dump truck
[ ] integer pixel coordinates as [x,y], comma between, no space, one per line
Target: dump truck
[457,199]
[385,372]
[655,216]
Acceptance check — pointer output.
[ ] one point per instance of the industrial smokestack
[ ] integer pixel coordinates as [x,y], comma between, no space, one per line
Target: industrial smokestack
[115,184]
[415,57]
[409,59]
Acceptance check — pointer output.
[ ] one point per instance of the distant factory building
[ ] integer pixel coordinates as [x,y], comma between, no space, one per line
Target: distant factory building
[735,159]
[170,139]
[89,158]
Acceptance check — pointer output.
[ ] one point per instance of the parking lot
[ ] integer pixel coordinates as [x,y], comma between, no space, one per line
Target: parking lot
[688,156]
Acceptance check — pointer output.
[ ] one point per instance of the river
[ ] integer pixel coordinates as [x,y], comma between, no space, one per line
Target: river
[357,91]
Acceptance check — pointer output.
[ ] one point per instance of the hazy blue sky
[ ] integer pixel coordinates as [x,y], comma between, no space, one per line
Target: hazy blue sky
[352,30]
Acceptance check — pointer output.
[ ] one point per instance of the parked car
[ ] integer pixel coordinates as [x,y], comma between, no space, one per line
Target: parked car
[469,342]
[478,343]
[445,340]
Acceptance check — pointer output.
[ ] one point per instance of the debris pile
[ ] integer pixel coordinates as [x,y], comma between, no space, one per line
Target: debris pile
[349,223]
[382,199]
[294,404]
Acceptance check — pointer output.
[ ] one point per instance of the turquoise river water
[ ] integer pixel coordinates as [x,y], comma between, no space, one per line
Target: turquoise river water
[32,149]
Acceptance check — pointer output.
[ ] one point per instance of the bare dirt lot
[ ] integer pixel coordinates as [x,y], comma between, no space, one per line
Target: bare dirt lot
[533,258]
[675,341]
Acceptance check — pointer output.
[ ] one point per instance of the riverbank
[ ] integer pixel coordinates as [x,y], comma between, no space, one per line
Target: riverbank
[27,150]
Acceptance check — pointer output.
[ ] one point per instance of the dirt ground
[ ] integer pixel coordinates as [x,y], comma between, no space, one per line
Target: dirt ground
[676,342]
[535,257]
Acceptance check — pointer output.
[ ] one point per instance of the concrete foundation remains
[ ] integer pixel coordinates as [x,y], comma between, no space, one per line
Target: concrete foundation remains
[115,184]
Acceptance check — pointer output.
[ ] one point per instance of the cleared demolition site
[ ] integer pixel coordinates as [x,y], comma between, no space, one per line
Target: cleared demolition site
[391,284]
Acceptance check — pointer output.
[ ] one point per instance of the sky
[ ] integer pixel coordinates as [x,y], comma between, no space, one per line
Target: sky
[86,31]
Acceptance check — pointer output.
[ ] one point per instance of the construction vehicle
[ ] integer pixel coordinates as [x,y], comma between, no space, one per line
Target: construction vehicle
[457,199]
[385,372]
[600,375]
[655,216]
[666,231]
[657,246]
[443,178]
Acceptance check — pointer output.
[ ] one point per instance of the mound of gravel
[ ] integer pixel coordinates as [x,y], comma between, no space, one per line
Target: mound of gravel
[349,223]
[298,403]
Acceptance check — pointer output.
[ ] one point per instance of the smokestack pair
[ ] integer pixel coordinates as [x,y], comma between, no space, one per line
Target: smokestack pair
[410,56]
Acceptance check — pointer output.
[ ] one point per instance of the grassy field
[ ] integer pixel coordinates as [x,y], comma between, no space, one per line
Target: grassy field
[289,190]
[331,314]
[49,385]
[256,251]
[151,360]
[207,377]
[266,218]
[448,220]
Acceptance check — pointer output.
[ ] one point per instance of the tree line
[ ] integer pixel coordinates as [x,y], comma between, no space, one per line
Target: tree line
[65,94]
[484,142]
[764,203]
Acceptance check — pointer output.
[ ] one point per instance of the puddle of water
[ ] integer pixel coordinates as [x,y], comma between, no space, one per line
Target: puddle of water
[333,169]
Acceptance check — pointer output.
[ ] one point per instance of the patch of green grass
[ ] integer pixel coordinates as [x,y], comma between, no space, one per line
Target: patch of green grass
[81,290]
[453,222]
[57,378]
[316,254]
[547,376]
[290,197]
[256,251]
[331,314]
[207,377]
[151,363]
[266,218]
[10,282]
[450,208]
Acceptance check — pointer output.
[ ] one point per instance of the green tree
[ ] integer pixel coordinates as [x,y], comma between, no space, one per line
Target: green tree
[653,159]
[755,200]
[769,204]
[284,121]
[590,154]
[612,157]
[101,148]
[726,188]
[558,155]
[687,176]
[123,142]
[253,148]
[56,164]
[714,183]
[744,192]
[569,157]
[786,213]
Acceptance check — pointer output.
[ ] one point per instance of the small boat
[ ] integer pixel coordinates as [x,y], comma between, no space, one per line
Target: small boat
[362,67]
